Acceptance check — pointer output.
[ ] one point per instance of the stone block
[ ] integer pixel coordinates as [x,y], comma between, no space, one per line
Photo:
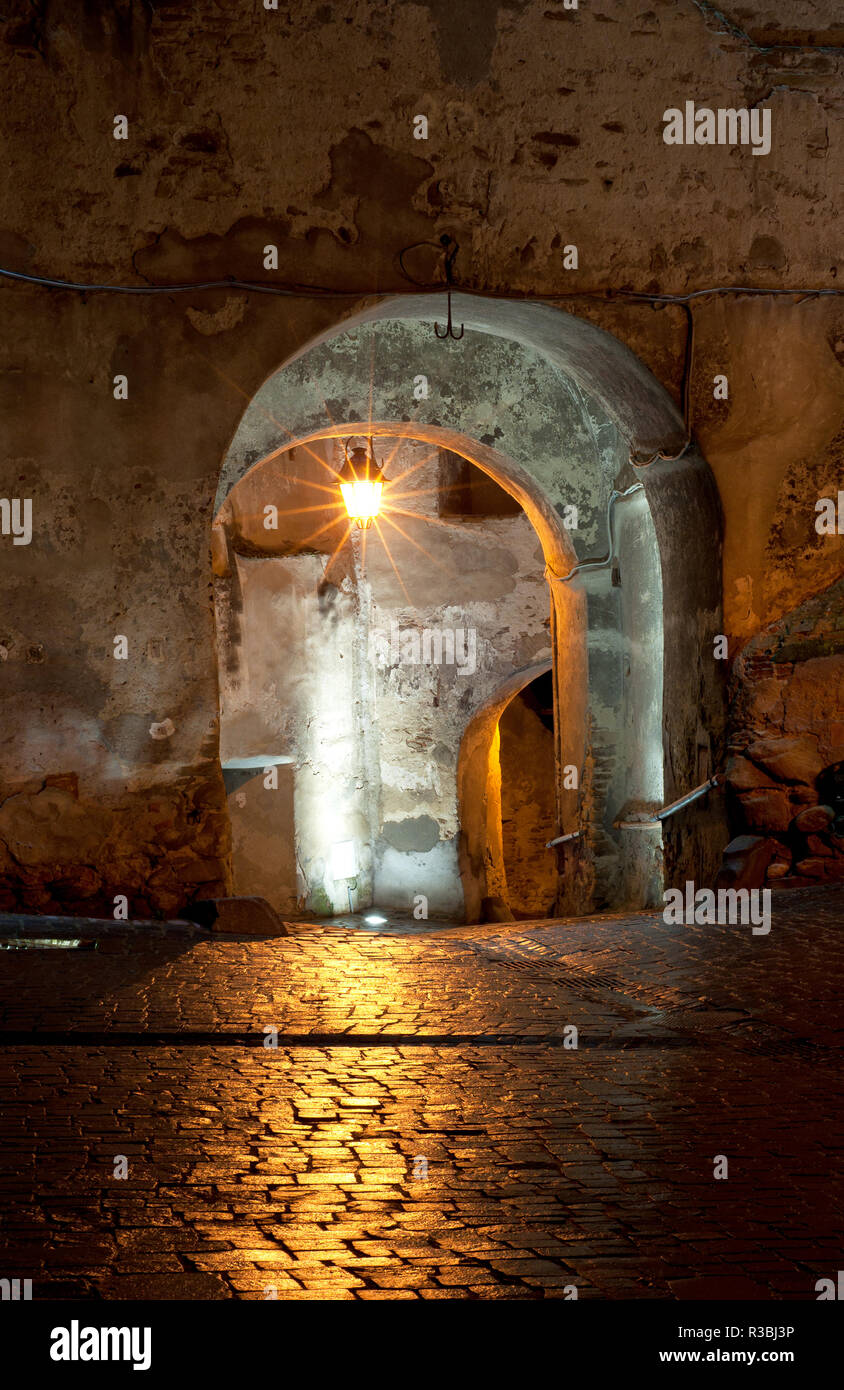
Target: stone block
[766,809]
[746,861]
[52,827]
[743,775]
[813,819]
[818,847]
[808,796]
[778,868]
[781,862]
[236,916]
[788,759]
[814,867]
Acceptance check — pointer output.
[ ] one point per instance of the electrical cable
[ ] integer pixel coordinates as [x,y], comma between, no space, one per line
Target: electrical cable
[610,557]
[448,247]
[296,291]
[688,359]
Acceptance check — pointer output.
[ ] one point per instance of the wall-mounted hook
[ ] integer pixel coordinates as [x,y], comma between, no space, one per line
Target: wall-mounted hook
[448,332]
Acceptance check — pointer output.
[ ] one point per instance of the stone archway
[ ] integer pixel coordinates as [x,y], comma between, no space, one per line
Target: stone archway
[562,416]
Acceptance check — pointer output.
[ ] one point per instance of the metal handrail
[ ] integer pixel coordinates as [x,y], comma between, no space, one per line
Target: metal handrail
[660,816]
[572,835]
[673,806]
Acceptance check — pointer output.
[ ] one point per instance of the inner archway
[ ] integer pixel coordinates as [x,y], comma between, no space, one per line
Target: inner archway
[353,672]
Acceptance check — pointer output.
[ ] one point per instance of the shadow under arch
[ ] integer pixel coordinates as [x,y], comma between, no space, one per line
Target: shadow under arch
[568,406]
[479,796]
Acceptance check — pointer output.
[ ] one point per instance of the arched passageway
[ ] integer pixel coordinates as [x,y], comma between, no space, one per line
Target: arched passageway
[528,802]
[347,680]
[554,411]
[492,788]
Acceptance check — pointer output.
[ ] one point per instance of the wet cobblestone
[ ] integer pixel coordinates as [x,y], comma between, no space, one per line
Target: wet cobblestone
[297,1169]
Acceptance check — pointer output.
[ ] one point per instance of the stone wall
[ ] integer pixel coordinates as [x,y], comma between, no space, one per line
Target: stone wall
[544,130]
[787,743]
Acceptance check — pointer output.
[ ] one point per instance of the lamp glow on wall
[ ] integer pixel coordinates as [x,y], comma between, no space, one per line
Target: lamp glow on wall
[344,865]
[361,483]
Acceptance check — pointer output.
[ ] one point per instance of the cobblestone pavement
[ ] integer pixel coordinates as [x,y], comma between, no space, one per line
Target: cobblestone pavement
[299,1168]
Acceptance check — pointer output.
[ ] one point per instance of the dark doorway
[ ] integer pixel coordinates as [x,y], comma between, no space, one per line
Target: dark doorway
[528,812]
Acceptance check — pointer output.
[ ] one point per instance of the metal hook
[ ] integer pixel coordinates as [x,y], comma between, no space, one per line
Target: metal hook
[448,331]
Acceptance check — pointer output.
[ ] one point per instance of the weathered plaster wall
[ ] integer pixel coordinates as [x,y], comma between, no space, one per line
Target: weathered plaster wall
[544,129]
[504,394]
[289,644]
[296,695]
[483,582]
[263,830]
[775,447]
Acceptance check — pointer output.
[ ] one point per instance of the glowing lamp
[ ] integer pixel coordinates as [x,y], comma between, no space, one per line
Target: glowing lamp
[361,483]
